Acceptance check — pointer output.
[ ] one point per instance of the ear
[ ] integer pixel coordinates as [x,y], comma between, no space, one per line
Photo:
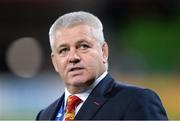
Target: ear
[105,51]
[54,61]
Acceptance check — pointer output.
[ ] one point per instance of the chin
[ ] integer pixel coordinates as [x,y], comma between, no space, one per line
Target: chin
[80,81]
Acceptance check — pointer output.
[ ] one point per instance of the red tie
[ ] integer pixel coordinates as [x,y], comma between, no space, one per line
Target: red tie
[72,102]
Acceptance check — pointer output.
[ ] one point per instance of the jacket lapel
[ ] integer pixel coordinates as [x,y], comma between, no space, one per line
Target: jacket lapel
[56,108]
[95,100]
[89,108]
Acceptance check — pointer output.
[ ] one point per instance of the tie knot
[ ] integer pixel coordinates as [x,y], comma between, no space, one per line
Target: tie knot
[73,101]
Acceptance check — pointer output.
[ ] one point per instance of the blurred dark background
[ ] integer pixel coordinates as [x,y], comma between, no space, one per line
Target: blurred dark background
[143,36]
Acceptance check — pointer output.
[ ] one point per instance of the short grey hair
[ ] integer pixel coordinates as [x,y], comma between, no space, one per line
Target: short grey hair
[77,18]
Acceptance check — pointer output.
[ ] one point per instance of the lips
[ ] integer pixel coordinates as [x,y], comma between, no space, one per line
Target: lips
[75,69]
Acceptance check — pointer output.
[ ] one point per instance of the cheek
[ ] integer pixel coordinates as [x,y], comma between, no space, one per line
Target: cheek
[61,63]
[94,61]
[62,70]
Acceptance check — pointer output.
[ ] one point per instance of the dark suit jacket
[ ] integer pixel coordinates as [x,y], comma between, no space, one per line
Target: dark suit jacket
[112,101]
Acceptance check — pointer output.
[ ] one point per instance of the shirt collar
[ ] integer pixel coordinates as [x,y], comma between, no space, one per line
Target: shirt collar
[83,95]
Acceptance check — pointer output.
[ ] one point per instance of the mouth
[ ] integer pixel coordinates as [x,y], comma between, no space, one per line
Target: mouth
[75,69]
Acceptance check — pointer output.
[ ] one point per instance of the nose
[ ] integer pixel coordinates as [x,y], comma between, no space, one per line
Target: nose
[74,57]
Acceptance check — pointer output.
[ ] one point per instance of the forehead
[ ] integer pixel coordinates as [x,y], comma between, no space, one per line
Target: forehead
[73,33]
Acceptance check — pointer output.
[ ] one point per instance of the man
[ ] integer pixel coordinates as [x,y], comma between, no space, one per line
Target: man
[80,55]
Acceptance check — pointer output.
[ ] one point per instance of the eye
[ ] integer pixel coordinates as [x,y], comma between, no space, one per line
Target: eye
[63,51]
[83,46]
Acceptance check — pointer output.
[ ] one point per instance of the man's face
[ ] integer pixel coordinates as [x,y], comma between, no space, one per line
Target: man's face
[78,57]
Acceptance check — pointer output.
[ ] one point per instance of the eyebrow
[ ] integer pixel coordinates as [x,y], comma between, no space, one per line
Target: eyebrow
[78,42]
[83,40]
[61,46]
